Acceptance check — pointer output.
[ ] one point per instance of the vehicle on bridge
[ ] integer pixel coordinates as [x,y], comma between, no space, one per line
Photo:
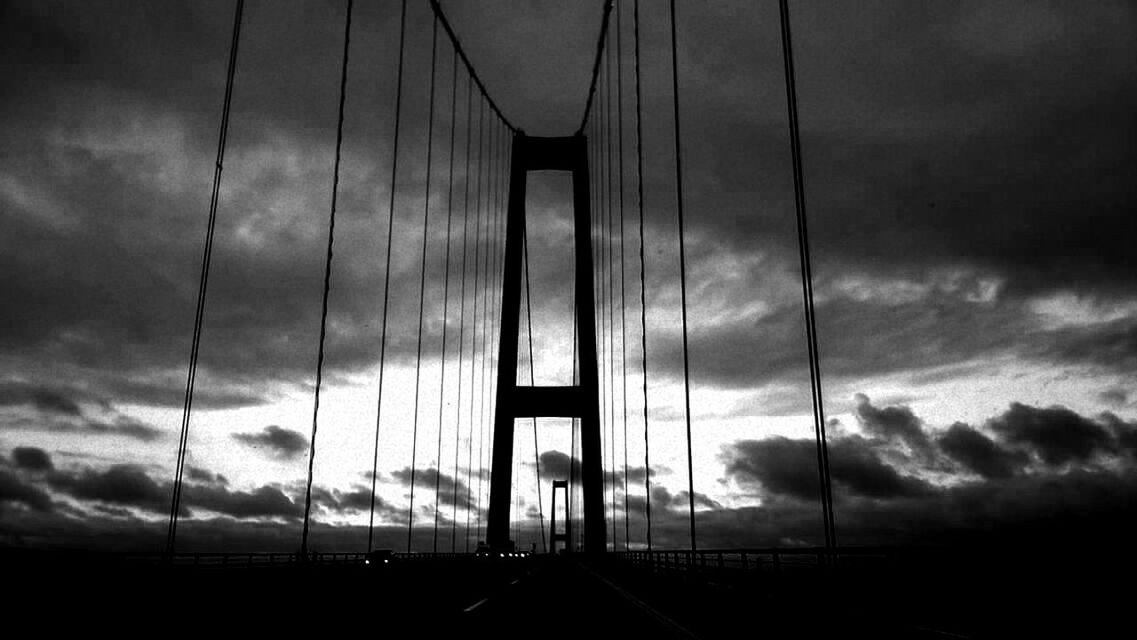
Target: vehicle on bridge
[379,557]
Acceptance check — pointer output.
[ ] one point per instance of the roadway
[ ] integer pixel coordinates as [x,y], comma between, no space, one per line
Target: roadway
[545,597]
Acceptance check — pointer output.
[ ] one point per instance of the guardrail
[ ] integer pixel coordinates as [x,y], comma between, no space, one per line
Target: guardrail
[250,560]
[739,563]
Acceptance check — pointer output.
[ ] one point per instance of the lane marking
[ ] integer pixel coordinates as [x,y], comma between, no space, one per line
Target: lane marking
[674,627]
[486,599]
[475,605]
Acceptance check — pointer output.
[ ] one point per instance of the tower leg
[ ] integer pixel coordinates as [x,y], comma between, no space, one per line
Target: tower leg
[531,154]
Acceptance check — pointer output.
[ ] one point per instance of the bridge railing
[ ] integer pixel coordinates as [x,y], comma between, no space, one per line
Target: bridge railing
[247,559]
[746,563]
[277,559]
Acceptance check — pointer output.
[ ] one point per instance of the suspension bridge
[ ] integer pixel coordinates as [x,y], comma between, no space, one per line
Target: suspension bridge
[486,236]
[476,576]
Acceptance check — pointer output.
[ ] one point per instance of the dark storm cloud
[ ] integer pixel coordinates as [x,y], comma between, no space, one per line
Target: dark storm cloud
[640,474]
[275,441]
[357,500]
[663,502]
[58,410]
[1125,432]
[891,422]
[956,157]
[789,467]
[867,330]
[32,459]
[44,399]
[558,465]
[262,502]
[1083,507]
[1108,345]
[947,149]
[1013,492]
[121,484]
[1057,434]
[979,453]
[876,504]
[132,177]
[859,337]
[683,498]
[131,486]
[861,467]
[126,426]
[13,490]
[197,474]
[660,497]
[451,491]
[94,532]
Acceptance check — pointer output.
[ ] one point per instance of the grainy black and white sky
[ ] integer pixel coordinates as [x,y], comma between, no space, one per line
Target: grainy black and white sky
[970,180]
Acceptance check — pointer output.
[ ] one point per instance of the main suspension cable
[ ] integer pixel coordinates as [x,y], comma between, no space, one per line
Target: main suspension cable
[327,284]
[596,65]
[466,61]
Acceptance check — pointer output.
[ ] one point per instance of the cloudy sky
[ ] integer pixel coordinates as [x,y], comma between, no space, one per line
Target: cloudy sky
[969,171]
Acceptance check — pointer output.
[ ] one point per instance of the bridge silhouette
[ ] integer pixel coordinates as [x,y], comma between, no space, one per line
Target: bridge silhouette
[582,581]
[595,156]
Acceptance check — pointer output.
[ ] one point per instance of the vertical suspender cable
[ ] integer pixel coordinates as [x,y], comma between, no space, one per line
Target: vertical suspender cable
[533,383]
[611,306]
[517,502]
[327,284]
[203,280]
[489,307]
[422,277]
[643,270]
[477,278]
[500,167]
[462,316]
[682,268]
[486,302]
[602,197]
[575,423]
[807,284]
[623,300]
[446,307]
[387,271]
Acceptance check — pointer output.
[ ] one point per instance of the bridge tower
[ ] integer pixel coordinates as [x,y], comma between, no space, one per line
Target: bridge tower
[578,401]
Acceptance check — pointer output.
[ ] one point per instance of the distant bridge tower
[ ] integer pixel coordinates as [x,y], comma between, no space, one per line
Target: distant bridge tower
[580,401]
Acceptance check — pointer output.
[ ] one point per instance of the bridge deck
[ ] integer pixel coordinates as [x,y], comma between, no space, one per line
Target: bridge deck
[534,597]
